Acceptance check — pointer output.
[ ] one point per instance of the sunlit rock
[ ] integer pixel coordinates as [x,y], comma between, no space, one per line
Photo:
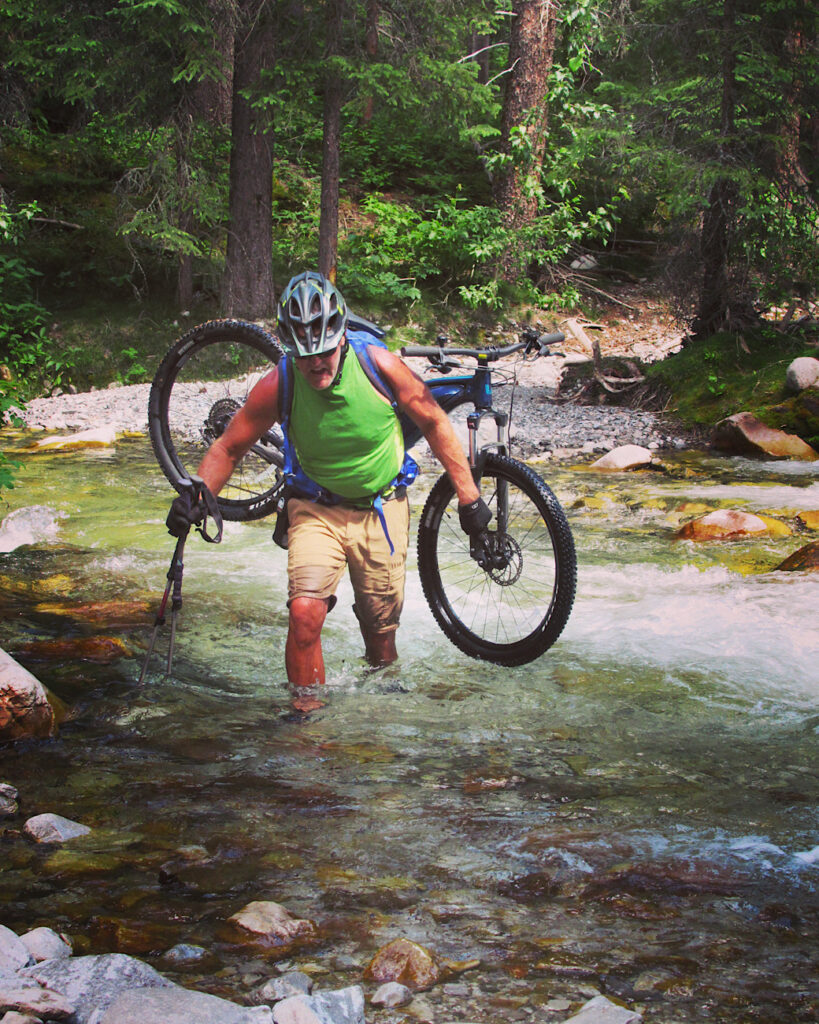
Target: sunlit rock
[35,1003]
[392,994]
[177,1005]
[272,922]
[102,649]
[802,373]
[46,944]
[601,1010]
[98,437]
[627,456]
[723,524]
[744,434]
[13,953]
[809,520]
[342,1006]
[405,962]
[92,983]
[776,528]
[806,559]
[25,710]
[54,828]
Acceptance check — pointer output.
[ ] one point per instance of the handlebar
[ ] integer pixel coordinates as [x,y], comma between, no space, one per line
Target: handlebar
[441,355]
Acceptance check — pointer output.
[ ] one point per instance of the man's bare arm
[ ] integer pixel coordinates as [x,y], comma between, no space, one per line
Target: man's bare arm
[250,422]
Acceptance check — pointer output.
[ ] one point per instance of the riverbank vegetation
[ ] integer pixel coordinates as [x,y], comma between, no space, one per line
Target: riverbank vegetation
[454,165]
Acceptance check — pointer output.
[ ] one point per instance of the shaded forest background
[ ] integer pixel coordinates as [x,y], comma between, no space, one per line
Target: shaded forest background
[439,158]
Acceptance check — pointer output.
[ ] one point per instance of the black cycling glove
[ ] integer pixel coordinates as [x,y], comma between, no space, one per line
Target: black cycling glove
[186,511]
[474,517]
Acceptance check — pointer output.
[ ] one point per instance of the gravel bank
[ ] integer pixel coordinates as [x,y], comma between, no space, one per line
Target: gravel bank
[539,424]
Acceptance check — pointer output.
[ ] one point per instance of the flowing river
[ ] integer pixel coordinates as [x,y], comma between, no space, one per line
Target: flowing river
[635,813]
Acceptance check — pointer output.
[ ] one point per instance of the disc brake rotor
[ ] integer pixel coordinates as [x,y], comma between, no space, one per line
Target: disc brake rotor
[506,561]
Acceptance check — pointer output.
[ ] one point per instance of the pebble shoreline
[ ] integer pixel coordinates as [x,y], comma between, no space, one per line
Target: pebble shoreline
[539,425]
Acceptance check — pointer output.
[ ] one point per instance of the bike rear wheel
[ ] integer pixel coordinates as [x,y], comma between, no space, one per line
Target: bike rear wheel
[204,378]
[514,610]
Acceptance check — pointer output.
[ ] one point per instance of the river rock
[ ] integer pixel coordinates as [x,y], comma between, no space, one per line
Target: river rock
[25,711]
[603,1011]
[809,520]
[13,1017]
[343,1006]
[92,983]
[100,649]
[294,983]
[627,456]
[46,944]
[54,828]
[405,962]
[37,1002]
[802,373]
[392,994]
[177,1005]
[13,954]
[806,559]
[8,800]
[97,437]
[272,921]
[723,524]
[744,434]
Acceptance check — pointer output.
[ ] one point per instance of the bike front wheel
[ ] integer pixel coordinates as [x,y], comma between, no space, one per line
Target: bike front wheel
[202,381]
[513,609]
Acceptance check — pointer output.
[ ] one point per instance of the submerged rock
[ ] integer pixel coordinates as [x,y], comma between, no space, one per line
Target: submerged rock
[603,1011]
[405,962]
[97,437]
[25,710]
[53,828]
[8,800]
[102,649]
[272,921]
[744,434]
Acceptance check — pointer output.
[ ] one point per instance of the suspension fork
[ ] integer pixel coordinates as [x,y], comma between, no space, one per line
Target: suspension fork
[477,457]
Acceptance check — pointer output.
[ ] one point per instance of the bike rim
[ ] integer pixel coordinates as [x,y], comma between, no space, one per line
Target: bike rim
[207,384]
[509,604]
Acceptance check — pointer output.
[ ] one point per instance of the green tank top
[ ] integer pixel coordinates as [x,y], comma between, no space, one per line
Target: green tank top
[347,437]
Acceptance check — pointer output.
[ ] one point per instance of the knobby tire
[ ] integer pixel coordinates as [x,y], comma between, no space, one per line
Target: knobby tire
[204,378]
[513,612]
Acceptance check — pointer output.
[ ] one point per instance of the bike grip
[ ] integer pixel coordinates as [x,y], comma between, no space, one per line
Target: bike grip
[551,339]
[422,351]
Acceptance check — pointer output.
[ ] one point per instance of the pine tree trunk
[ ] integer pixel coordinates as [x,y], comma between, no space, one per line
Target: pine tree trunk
[713,312]
[531,53]
[331,150]
[247,285]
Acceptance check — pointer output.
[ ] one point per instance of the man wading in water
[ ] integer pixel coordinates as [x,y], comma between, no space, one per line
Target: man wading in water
[347,506]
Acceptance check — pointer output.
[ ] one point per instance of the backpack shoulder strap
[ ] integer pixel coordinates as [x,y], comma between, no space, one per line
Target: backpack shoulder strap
[362,346]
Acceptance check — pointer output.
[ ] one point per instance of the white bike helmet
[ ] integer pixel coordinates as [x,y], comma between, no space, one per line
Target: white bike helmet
[312,315]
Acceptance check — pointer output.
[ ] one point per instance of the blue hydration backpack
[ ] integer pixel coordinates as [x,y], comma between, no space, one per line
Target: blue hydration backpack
[362,335]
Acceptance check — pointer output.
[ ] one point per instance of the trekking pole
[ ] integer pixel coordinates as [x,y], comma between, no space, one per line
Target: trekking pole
[175,581]
[173,588]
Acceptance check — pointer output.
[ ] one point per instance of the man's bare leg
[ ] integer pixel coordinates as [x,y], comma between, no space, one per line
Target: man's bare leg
[379,648]
[303,656]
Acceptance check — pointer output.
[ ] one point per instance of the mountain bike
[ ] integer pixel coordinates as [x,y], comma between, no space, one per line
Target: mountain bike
[505,599]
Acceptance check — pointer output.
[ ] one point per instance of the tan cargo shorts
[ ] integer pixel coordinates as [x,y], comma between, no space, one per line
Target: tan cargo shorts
[323,540]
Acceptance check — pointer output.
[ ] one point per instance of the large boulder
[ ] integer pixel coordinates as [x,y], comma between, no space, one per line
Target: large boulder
[25,711]
[178,1005]
[802,373]
[744,434]
[92,983]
